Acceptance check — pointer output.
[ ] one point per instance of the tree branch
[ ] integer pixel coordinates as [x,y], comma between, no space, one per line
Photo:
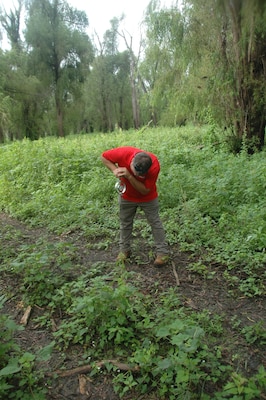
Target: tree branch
[87,368]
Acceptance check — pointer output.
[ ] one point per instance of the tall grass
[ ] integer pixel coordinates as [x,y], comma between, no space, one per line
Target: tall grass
[209,198]
[213,206]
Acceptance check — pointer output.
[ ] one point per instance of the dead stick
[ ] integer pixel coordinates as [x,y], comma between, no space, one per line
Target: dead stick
[87,368]
[25,318]
[175,274]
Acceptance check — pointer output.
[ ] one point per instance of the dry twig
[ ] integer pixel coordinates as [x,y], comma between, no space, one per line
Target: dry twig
[175,274]
[24,320]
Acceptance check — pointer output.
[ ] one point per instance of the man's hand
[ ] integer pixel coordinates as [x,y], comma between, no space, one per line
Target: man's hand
[118,172]
[124,172]
[121,172]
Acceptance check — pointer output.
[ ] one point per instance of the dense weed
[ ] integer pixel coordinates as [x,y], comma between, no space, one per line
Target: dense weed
[210,199]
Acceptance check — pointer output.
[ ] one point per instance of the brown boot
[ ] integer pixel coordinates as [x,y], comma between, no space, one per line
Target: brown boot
[123,256]
[161,259]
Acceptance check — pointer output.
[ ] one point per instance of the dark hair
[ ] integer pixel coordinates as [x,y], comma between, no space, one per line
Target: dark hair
[142,162]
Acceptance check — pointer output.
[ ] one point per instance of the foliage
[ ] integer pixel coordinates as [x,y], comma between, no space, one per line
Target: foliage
[39,281]
[240,388]
[195,60]
[109,108]
[108,316]
[61,52]
[212,204]
[164,44]
[216,198]
[19,379]
[44,73]
[231,39]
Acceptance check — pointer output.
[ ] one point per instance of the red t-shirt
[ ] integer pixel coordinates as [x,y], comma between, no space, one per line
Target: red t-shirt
[122,156]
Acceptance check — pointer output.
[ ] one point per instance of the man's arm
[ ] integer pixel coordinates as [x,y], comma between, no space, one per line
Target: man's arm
[139,186]
[109,164]
[120,172]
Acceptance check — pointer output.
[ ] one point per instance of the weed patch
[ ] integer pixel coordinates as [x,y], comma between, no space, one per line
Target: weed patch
[179,339]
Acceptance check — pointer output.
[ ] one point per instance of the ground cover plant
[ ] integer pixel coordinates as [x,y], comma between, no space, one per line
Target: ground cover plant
[156,340]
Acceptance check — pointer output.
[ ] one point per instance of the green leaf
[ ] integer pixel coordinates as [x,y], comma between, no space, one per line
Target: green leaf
[12,326]
[165,363]
[12,368]
[27,358]
[163,331]
[44,354]
[179,339]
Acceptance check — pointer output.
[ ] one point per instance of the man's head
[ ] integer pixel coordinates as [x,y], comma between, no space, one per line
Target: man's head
[141,163]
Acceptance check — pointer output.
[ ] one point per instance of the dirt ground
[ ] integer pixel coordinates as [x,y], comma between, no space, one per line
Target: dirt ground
[196,293]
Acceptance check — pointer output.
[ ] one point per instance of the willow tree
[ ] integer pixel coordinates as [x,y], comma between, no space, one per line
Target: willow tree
[21,103]
[233,34]
[245,60]
[134,78]
[60,51]
[10,21]
[107,90]
[164,67]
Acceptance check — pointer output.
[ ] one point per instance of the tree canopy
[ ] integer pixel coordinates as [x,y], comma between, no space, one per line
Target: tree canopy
[204,61]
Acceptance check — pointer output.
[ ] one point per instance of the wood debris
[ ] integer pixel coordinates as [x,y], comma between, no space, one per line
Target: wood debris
[24,320]
[87,368]
[175,274]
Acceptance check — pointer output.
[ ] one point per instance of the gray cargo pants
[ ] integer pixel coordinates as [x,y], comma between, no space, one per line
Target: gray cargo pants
[127,212]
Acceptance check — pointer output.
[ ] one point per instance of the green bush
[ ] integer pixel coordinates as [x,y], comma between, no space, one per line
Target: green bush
[19,380]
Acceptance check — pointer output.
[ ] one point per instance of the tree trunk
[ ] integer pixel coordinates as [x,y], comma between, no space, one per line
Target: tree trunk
[2,138]
[61,132]
[135,104]
[133,75]
[249,60]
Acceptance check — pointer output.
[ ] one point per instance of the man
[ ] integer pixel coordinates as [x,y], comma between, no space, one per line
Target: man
[138,171]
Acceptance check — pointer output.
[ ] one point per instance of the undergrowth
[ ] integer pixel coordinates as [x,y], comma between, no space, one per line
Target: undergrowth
[19,379]
[210,200]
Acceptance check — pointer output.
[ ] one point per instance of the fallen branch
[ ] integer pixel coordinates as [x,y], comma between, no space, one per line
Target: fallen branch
[145,127]
[24,320]
[83,384]
[175,274]
[87,368]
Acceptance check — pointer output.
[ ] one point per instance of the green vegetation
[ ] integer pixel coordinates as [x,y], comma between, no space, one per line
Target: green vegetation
[199,62]
[18,377]
[213,206]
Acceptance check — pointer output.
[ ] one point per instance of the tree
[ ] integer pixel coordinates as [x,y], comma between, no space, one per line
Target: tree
[107,87]
[134,75]
[164,68]
[21,102]
[246,46]
[24,91]
[236,51]
[60,51]
[11,24]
